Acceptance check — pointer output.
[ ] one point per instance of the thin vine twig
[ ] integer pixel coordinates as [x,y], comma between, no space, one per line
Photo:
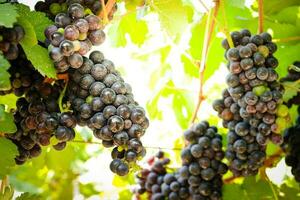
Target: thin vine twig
[4,183]
[106,9]
[260,16]
[105,17]
[210,24]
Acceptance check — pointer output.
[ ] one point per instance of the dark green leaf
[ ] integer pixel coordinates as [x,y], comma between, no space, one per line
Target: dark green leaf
[8,15]
[4,75]
[40,59]
[38,20]
[7,124]
[8,152]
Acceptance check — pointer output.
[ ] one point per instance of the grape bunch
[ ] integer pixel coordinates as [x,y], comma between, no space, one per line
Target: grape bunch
[252,107]
[291,147]
[9,40]
[22,75]
[53,7]
[199,177]
[40,123]
[102,100]
[72,36]
[292,76]
[202,161]
[158,183]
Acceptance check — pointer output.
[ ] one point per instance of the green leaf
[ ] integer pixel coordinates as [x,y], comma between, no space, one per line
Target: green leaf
[233,192]
[125,194]
[88,190]
[38,20]
[29,39]
[122,181]
[288,193]
[7,124]
[8,15]
[183,108]
[257,189]
[288,15]
[274,6]
[137,30]
[40,59]
[8,152]
[9,100]
[4,75]
[28,196]
[173,15]
[291,90]
[189,67]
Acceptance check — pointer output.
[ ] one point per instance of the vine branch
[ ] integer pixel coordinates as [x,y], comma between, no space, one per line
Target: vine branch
[210,25]
[106,9]
[260,16]
[105,17]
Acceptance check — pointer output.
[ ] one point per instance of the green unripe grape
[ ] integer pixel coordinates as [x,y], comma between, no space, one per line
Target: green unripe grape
[55,8]
[263,50]
[281,124]
[61,30]
[88,11]
[1,38]
[64,7]
[259,90]
[50,47]
[89,99]
[282,111]
[120,148]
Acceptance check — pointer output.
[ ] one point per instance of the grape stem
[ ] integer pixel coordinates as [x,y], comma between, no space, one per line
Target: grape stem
[4,183]
[210,25]
[105,18]
[269,162]
[61,96]
[106,9]
[2,134]
[260,16]
[295,68]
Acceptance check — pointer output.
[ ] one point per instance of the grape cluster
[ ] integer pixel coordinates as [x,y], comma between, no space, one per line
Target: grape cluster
[22,76]
[9,40]
[158,183]
[252,107]
[199,177]
[102,100]
[292,76]
[72,36]
[202,162]
[291,147]
[53,7]
[40,123]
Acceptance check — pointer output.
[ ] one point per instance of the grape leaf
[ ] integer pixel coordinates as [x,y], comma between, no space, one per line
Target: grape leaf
[28,196]
[122,181]
[136,29]
[233,192]
[88,190]
[9,100]
[288,15]
[7,124]
[288,193]
[4,75]
[38,20]
[8,15]
[40,59]
[274,6]
[291,90]
[8,152]
[183,108]
[125,194]
[173,15]
[29,39]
